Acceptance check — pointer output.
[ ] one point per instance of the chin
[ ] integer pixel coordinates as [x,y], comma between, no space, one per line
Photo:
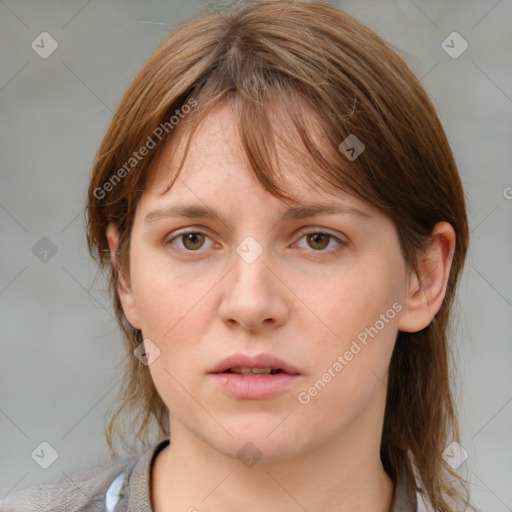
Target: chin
[258,439]
[252,451]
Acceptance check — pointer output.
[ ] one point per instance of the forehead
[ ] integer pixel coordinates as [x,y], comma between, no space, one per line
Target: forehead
[216,163]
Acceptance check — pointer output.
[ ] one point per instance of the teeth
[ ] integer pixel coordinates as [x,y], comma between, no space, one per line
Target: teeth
[248,371]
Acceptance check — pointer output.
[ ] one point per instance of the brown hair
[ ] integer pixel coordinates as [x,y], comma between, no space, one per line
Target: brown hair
[307,63]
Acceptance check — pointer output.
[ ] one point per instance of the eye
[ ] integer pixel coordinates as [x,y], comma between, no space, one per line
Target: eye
[192,240]
[318,241]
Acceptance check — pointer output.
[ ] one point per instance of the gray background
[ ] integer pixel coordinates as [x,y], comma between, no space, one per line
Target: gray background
[60,346]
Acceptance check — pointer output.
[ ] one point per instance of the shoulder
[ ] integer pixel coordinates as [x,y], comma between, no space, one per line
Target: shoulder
[81,491]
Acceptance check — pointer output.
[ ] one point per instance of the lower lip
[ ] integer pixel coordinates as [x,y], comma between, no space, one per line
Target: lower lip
[255,387]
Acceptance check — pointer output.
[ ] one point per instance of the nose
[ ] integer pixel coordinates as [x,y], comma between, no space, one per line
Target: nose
[254,296]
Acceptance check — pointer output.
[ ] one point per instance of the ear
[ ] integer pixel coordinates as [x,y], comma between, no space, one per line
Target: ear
[426,290]
[123,287]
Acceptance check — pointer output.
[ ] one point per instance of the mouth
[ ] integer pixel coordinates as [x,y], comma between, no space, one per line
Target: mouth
[248,365]
[253,371]
[254,377]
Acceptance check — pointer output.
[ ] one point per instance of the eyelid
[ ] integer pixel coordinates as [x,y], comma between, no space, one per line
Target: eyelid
[324,231]
[341,240]
[177,234]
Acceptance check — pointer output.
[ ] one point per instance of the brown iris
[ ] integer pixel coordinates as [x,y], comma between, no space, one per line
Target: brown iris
[195,240]
[316,238]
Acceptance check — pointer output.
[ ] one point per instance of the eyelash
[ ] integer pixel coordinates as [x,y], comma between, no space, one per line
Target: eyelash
[341,243]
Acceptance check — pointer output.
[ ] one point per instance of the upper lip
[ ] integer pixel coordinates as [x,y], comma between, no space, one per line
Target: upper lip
[256,361]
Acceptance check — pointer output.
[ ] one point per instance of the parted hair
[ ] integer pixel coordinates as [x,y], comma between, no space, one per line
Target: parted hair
[313,66]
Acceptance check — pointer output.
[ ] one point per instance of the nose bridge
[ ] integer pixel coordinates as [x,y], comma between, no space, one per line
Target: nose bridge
[250,266]
[252,296]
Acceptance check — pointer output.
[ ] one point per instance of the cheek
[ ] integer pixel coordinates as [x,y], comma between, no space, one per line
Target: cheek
[164,298]
[175,313]
[358,324]
[170,309]
[347,303]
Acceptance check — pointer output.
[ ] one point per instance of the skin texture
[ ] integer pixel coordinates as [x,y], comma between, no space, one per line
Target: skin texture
[301,300]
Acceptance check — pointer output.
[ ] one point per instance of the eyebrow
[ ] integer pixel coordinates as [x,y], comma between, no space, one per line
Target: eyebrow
[295,212]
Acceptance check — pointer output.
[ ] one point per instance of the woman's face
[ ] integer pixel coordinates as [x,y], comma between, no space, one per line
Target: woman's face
[320,291]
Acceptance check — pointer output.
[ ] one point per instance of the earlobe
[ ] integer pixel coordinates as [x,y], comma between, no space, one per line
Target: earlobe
[426,289]
[123,287]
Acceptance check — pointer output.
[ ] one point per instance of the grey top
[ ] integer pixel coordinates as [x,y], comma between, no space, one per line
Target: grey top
[123,486]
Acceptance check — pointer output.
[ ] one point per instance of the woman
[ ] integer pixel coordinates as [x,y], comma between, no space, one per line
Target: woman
[283,226]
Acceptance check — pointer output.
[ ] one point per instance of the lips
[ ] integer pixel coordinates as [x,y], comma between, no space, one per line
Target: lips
[261,364]
[258,377]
